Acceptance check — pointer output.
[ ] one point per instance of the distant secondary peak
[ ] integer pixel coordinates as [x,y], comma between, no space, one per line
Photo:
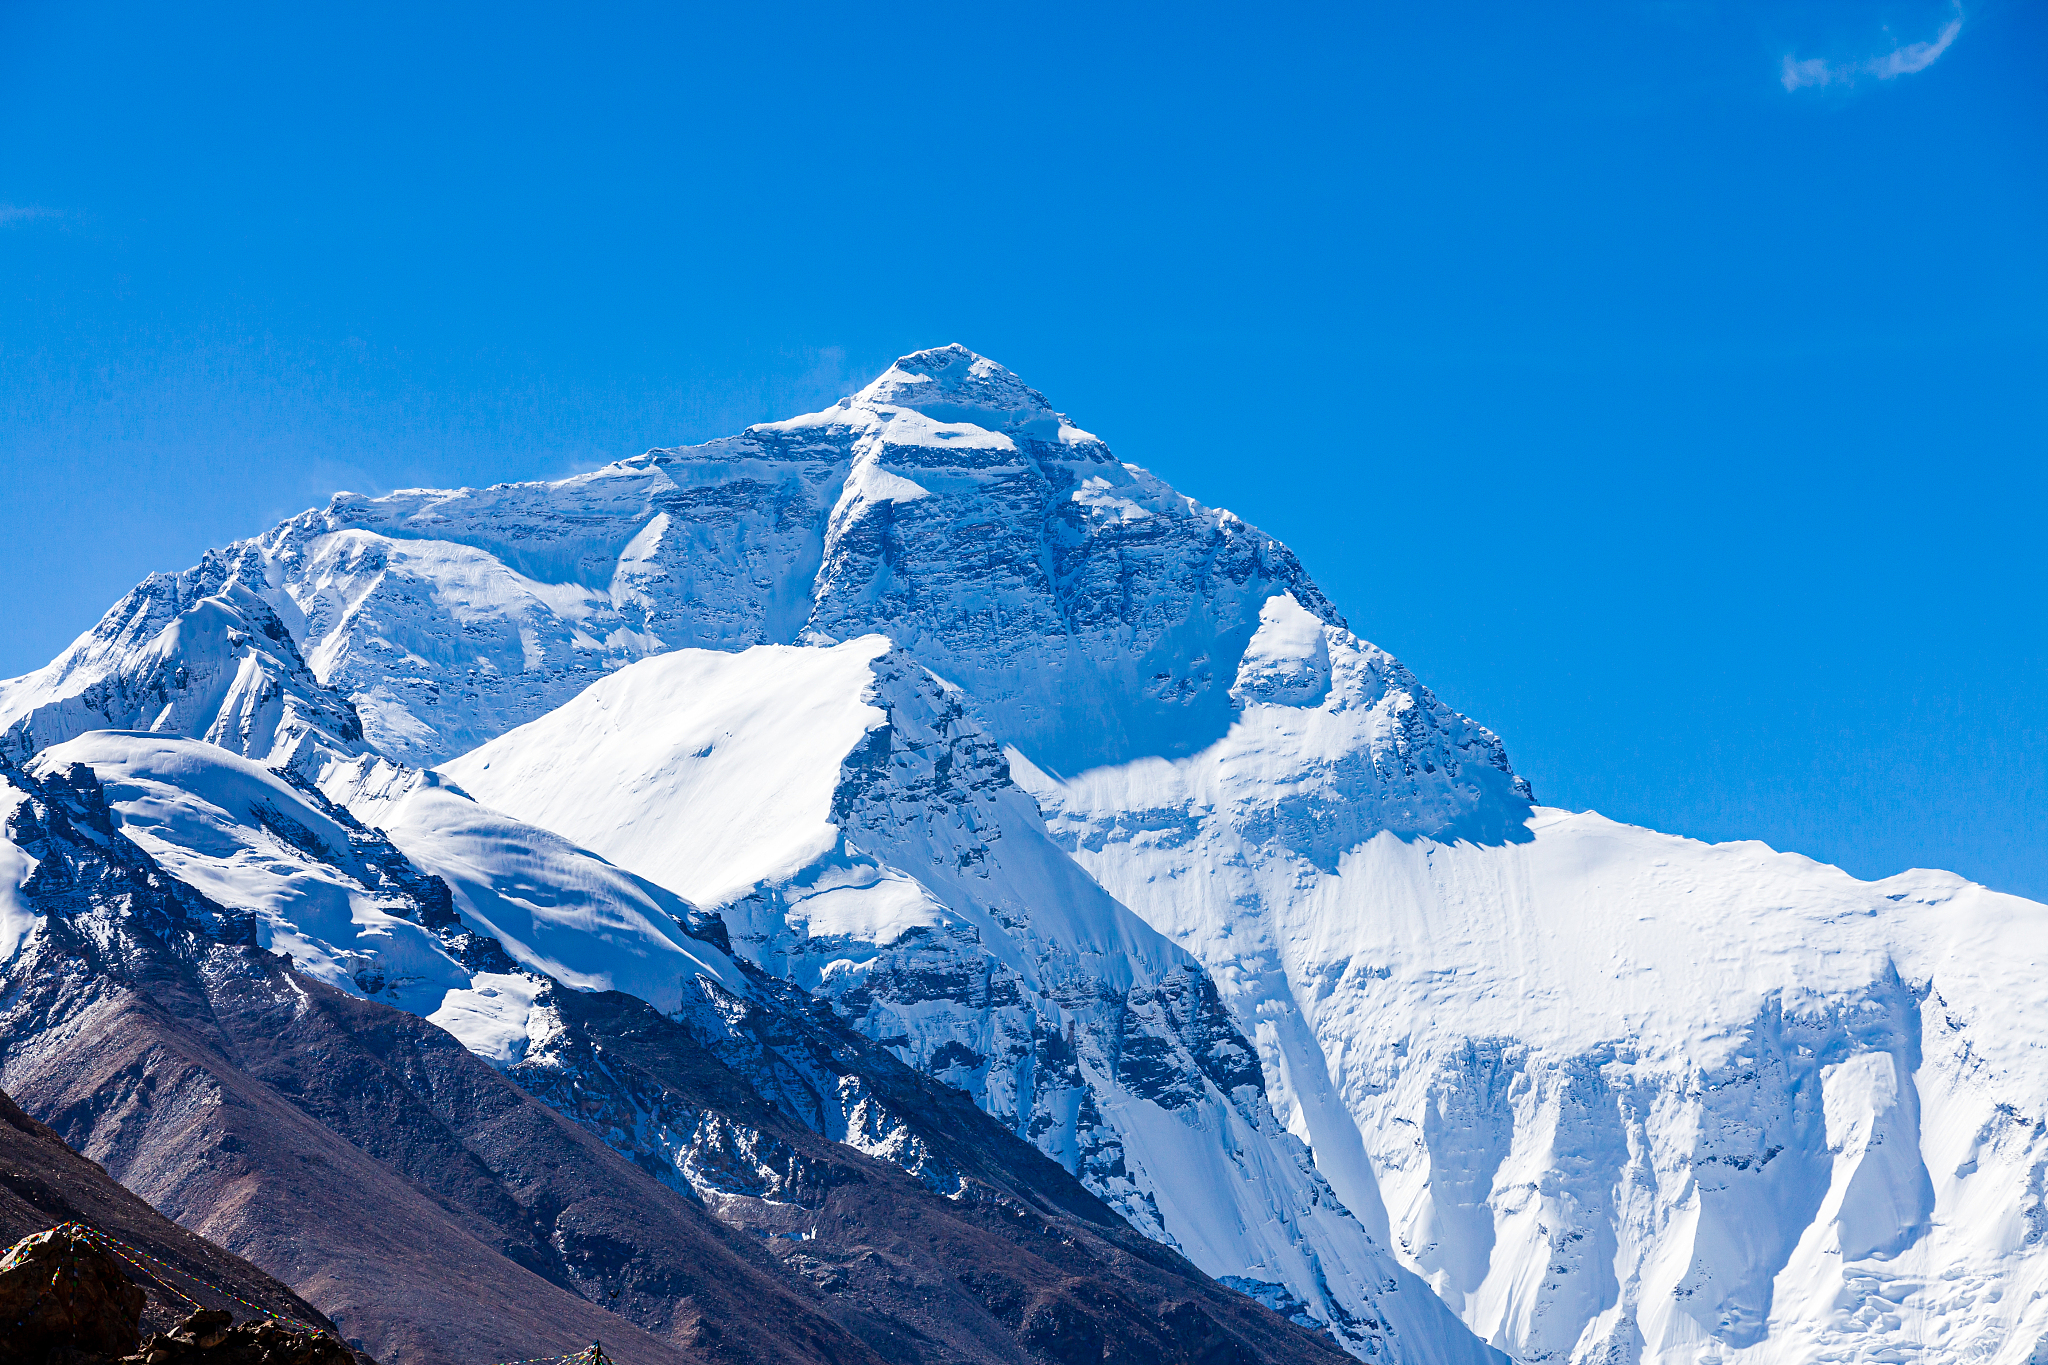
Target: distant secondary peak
[951,384]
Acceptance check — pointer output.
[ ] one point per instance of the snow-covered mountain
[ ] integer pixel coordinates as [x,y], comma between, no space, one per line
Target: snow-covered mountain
[1276,954]
[1622,1095]
[1089,608]
[859,835]
[739,1179]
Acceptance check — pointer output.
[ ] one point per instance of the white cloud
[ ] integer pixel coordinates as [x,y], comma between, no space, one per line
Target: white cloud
[24,213]
[1812,71]
[1913,57]
[1900,61]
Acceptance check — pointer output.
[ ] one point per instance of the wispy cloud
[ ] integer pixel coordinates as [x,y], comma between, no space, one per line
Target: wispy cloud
[1902,60]
[24,213]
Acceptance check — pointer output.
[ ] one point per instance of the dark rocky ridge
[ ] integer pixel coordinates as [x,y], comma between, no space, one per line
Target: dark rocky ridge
[208,1338]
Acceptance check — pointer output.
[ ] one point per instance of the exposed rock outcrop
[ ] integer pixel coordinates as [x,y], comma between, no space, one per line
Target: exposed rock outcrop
[212,1337]
[63,1300]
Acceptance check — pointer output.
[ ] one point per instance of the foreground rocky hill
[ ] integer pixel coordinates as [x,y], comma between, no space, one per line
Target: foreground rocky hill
[66,1299]
[43,1183]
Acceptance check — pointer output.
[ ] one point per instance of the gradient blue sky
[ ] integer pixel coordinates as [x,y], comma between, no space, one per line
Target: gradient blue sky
[1664,382]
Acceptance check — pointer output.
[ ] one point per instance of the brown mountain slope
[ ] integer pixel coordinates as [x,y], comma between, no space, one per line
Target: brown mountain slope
[431,1239]
[131,1032]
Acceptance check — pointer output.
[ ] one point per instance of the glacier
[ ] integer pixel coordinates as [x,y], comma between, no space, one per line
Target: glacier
[1079,795]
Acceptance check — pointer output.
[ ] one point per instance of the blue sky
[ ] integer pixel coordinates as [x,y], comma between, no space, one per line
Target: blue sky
[1663,382]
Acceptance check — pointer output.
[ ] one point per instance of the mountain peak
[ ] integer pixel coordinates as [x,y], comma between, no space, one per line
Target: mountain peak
[951,384]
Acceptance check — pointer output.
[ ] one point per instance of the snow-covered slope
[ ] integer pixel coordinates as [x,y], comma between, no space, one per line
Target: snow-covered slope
[197,653]
[1624,1095]
[489,928]
[305,878]
[859,834]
